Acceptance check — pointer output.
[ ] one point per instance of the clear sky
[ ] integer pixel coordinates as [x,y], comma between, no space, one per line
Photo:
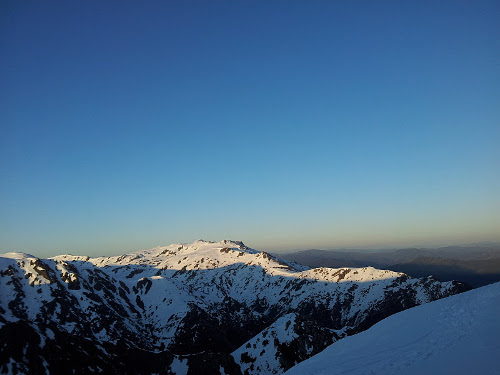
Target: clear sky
[284,124]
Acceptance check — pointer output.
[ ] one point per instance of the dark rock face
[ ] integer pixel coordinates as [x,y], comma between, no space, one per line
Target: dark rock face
[67,354]
[232,310]
[208,363]
[312,338]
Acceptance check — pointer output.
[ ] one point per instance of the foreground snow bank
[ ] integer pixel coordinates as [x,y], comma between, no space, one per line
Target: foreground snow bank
[456,335]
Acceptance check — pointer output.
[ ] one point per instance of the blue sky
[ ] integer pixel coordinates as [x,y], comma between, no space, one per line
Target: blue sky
[285,124]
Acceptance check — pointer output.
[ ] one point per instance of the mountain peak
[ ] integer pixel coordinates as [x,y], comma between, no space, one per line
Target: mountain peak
[16,255]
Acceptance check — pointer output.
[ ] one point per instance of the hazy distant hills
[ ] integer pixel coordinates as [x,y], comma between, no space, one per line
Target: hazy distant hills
[475,264]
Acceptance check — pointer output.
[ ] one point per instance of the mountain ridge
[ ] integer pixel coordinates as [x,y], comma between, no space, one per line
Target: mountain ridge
[193,306]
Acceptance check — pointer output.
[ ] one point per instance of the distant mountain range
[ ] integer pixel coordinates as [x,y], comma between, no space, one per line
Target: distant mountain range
[476,265]
[199,308]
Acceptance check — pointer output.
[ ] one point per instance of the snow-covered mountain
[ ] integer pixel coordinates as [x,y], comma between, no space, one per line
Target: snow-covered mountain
[456,335]
[200,308]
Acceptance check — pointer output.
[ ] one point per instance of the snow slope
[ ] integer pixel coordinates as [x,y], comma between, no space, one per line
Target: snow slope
[286,342]
[456,335]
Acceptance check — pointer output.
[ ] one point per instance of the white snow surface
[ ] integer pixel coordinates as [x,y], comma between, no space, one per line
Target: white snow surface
[455,335]
[179,366]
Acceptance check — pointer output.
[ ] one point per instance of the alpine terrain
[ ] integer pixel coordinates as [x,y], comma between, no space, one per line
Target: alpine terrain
[456,335]
[200,308]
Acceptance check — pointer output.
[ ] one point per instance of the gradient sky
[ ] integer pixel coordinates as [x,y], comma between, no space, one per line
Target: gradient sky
[284,124]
